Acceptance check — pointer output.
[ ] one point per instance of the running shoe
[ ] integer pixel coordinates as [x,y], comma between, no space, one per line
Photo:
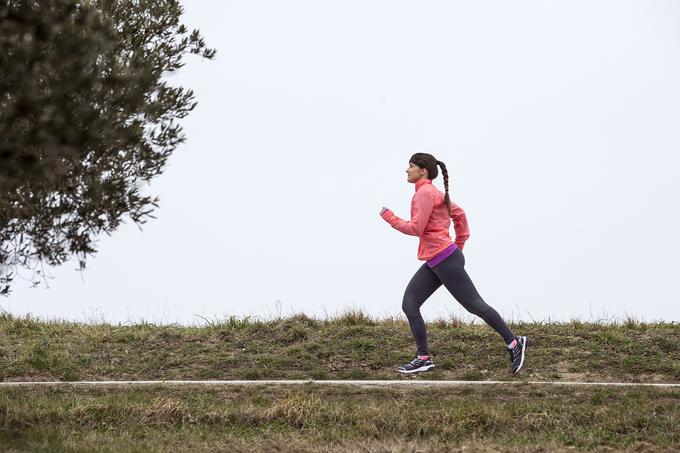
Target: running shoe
[416,366]
[517,353]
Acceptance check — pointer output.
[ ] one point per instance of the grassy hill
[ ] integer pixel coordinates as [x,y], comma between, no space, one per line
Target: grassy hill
[520,417]
[352,346]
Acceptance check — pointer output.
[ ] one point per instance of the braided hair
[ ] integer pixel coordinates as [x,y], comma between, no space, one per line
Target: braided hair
[429,162]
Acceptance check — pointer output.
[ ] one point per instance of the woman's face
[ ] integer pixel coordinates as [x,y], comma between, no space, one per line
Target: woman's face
[415,173]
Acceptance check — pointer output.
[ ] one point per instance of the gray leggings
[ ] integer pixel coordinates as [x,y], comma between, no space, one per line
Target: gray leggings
[452,274]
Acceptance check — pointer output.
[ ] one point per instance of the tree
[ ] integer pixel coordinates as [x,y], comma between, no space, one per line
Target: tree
[85,117]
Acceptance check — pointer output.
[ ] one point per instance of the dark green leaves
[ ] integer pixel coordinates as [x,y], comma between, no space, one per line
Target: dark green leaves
[84,116]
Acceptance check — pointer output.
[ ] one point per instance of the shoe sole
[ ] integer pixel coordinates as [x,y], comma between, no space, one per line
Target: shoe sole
[417,370]
[525,344]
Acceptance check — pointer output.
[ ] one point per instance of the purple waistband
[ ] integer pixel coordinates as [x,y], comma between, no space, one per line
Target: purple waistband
[441,256]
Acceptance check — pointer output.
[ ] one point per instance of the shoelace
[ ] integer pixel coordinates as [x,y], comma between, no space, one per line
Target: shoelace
[516,351]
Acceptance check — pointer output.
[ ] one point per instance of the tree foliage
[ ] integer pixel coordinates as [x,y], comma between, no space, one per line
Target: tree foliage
[85,117]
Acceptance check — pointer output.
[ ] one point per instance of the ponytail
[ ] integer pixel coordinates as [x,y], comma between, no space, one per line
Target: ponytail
[445,174]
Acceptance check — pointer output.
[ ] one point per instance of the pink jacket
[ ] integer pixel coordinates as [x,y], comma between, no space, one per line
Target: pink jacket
[430,221]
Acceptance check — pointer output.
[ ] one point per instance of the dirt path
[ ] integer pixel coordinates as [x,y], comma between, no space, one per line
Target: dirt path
[328,382]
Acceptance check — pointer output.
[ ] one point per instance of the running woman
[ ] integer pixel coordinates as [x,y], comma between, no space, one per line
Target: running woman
[431,214]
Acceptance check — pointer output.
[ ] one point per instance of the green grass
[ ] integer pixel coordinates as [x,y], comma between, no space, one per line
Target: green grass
[338,418]
[521,417]
[350,346]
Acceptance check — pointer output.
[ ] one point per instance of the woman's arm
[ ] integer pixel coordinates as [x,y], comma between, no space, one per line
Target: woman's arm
[421,208]
[460,225]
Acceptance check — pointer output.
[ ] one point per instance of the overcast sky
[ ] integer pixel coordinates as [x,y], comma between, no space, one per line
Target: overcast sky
[558,121]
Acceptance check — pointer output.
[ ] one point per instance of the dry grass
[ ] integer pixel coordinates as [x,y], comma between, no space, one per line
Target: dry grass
[315,418]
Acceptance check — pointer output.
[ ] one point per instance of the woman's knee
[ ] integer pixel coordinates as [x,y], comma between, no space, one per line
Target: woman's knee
[410,305]
[477,307]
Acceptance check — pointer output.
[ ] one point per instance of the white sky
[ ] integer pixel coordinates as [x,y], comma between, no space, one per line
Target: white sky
[558,122]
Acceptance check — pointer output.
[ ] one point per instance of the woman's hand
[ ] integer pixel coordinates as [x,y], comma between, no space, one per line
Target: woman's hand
[383,210]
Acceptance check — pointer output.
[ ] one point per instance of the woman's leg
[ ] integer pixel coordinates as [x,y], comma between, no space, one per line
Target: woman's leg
[452,274]
[422,285]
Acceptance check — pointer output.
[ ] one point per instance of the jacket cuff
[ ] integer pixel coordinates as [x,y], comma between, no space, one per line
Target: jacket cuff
[388,215]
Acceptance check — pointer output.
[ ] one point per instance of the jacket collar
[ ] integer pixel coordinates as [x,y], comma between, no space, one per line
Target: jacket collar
[422,182]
